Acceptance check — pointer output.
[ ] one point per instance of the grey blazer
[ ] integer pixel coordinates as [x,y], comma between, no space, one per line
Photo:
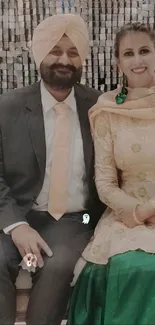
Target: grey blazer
[23,152]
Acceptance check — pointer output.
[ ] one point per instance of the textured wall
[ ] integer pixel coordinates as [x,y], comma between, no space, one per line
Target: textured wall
[18,18]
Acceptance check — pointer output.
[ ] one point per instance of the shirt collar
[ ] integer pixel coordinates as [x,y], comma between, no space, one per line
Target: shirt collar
[48,101]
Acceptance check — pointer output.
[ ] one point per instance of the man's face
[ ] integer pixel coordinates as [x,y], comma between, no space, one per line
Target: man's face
[62,68]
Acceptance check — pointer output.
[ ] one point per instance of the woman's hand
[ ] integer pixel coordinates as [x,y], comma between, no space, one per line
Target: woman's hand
[151,220]
[144,212]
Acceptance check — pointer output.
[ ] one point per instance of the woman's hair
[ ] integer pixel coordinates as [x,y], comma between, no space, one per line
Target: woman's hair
[132,27]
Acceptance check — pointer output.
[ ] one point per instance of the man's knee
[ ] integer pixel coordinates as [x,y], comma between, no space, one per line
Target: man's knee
[62,262]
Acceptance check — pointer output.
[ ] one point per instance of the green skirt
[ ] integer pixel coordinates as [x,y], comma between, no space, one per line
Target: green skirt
[119,293]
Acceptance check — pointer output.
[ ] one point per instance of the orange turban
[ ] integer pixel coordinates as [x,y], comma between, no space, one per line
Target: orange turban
[48,33]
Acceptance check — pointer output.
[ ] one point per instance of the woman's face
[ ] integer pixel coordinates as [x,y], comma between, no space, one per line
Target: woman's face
[137,59]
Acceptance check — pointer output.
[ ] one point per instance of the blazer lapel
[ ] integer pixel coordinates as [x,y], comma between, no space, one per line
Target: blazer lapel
[34,117]
[83,104]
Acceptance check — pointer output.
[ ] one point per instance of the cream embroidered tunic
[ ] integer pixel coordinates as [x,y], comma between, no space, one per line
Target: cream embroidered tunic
[124,140]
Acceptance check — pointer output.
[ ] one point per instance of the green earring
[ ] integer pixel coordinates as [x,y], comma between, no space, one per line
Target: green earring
[120,98]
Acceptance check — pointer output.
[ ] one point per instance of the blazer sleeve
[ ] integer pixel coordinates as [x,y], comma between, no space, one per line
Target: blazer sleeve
[10,212]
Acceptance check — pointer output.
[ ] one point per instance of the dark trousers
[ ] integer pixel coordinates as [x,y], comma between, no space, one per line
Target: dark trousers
[51,285]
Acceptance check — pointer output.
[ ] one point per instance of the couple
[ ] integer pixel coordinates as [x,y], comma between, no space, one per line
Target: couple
[46,126]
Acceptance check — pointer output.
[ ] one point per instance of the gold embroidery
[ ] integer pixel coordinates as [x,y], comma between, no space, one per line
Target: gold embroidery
[135,120]
[141,176]
[142,191]
[108,161]
[136,147]
[122,163]
[101,131]
[132,194]
[107,202]
[119,231]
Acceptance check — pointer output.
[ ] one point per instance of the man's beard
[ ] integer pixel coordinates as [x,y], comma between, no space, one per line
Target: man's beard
[60,81]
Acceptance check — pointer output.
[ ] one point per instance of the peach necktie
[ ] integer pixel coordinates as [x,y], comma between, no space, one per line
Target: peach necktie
[57,204]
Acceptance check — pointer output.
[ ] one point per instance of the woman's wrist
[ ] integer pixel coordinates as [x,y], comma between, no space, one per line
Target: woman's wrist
[136,215]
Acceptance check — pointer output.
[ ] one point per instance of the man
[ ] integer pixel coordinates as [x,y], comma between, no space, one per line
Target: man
[46,172]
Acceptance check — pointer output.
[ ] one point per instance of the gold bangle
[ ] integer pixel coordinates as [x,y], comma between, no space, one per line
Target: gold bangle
[135,217]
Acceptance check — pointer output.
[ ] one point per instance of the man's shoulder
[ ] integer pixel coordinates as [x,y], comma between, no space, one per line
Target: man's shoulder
[89,92]
[14,96]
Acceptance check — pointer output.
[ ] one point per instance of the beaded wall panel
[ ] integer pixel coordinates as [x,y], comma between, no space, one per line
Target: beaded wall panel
[18,18]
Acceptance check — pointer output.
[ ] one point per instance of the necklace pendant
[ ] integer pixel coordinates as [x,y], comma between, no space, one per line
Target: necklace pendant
[120,98]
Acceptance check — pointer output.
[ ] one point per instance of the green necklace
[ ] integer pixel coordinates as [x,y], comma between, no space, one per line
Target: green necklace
[120,98]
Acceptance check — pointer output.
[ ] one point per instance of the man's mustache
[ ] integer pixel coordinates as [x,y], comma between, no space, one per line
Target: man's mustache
[61,66]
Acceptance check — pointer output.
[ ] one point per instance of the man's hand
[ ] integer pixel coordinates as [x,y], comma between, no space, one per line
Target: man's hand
[28,240]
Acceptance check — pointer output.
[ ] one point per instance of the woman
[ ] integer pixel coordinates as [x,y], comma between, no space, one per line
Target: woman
[117,284]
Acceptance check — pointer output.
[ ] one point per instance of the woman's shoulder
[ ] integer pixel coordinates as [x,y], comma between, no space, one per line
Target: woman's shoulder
[108,96]
[104,102]
[101,110]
